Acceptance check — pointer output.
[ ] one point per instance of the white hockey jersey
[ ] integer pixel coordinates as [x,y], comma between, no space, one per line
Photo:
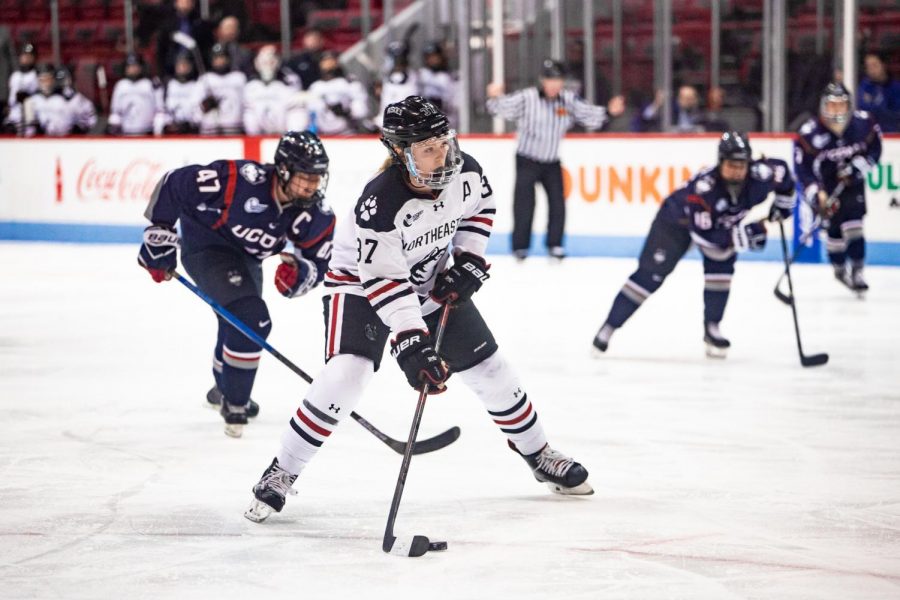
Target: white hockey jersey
[397,86]
[134,106]
[269,107]
[228,89]
[398,240]
[48,115]
[82,110]
[349,96]
[180,104]
[20,81]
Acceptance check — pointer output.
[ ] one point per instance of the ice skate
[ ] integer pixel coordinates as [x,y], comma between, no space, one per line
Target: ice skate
[561,474]
[214,400]
[235,418]
[557,254]
[601,340]
[270,493]
[857,282]
[716,344]
[520,255]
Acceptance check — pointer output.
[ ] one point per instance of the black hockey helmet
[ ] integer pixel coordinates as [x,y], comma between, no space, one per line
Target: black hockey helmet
[432,47]
[552,69]
[133,59]
[415,120]
[301,152]
[398,49]
[734,145]
[28,48]
[835,93]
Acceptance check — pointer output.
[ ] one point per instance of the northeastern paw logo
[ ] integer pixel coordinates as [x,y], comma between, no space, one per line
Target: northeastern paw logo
[368,209]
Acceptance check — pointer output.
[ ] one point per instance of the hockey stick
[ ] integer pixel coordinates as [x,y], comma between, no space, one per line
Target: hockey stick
[801,242]
[807,361]
[429,445]
[418,544]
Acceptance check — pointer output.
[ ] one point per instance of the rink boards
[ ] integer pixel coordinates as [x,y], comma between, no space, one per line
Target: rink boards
[96,189]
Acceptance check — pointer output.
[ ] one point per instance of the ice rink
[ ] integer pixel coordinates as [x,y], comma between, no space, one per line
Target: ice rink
[745,478]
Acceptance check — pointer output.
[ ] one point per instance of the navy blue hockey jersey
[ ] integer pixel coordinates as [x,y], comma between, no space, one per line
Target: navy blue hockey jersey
[706,207]
[232,201]
[820,155]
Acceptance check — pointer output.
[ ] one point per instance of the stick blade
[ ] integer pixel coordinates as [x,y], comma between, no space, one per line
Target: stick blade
[815,360]
[783,297]
[437,442]
[418,545]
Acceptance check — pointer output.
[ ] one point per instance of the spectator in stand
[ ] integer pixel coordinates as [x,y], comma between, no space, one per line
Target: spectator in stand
[136,100]
[186,19]
[438,85]
[879,93]
[306,64]
[712,118]
[23,82]
[270,102]
[182,113]
[686,114]
[338,105]
[228,34]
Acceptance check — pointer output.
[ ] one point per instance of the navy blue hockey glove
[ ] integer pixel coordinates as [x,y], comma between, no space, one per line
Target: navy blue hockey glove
[419,361]
[159,252]
[295,275]
[457,284]
[749,237]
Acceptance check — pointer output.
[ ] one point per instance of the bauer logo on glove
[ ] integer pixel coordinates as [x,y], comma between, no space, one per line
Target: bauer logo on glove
[159,252]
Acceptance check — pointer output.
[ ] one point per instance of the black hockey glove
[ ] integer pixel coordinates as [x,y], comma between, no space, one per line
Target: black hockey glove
[159,251]
[457,284]
[338,110]
[209,103]
[21,96]
[749,237]
[419,361]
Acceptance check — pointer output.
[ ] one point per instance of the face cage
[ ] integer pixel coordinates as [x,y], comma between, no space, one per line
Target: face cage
[443,176]
[285,174]
[839,120]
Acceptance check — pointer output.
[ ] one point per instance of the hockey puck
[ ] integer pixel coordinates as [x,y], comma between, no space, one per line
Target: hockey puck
[437,546]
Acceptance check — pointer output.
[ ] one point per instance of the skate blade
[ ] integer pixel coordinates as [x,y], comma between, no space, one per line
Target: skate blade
[258,511]
[597,352]
[234,431]
[582,489]
[716,353]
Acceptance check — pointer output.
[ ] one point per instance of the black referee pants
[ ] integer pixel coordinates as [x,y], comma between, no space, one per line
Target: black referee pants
[528,173]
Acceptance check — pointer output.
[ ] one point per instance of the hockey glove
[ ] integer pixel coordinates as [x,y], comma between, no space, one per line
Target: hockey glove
[159,252]
[295,275]
[209,103]
[419,361]
[749,237]
[457,284]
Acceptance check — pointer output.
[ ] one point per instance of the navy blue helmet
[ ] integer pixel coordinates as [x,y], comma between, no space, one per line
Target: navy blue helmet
[734,145]
[301,152]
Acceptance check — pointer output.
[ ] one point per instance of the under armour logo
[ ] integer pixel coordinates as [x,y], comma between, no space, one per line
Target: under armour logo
[335,409]
[517,393]
[438,205]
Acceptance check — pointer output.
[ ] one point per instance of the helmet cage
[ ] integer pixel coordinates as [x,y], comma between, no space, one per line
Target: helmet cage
[835,120]
[442,176]
[301,153]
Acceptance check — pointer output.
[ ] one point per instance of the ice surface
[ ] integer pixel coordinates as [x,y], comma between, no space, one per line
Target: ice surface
[745,478]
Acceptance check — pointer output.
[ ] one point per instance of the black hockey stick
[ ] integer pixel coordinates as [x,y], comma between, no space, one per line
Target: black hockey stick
[801,242]
[418,544]
[429,445]
[807,361]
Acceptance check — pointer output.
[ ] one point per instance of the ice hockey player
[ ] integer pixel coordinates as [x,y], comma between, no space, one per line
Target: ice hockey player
[22,84]
[136,100]
[220,95]
[182,112]
[708,211]
[269,105]
[832,156]
[56,109]
[234,214]
[82,110]
[340,104]
[415,241]
[437,83]
[401,80]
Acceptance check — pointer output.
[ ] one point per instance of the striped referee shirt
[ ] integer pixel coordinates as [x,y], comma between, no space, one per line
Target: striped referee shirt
[542,122]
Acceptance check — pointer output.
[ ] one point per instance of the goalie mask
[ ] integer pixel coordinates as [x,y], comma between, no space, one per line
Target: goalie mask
[419,137]
[301,152]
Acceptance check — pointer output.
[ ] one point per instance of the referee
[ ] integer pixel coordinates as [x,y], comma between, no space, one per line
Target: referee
[543,114]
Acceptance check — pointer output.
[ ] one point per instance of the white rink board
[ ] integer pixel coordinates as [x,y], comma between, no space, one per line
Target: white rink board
[614,183]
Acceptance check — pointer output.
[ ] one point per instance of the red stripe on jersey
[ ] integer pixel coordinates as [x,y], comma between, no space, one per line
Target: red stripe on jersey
[229,194]
[695,199]
[311,425]
[481,220]
[337,277]
[517,419]
[313,242]
[380,291]
[334,311]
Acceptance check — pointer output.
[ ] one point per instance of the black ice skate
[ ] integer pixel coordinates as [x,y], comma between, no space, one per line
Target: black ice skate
[270,493]
[857,282]
[214,400]
[561,474]
[235,418]
[716,344]
[601,340]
